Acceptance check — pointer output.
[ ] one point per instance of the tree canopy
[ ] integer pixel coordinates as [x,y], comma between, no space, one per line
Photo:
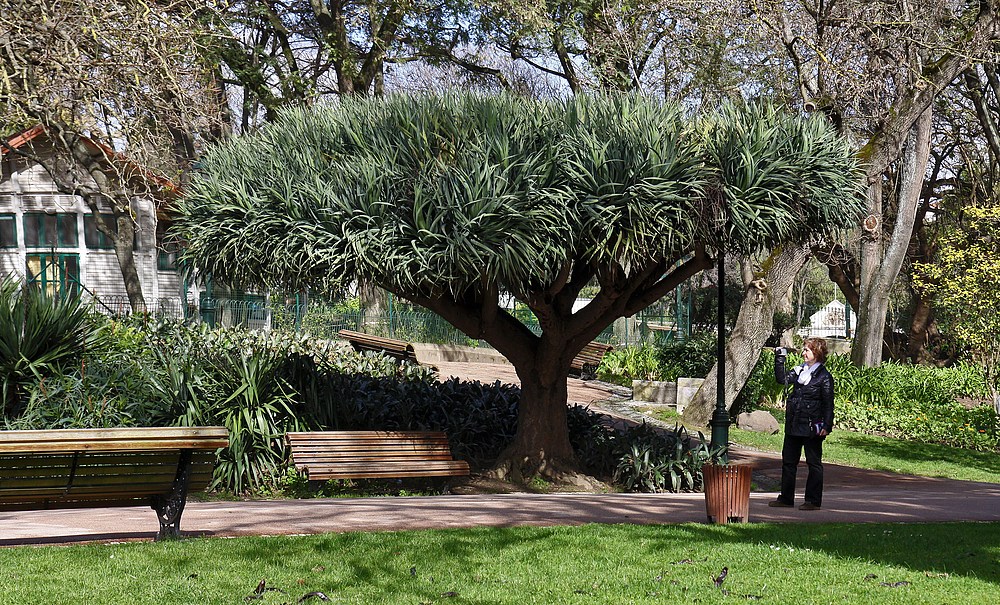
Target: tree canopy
[435,194]
[964,284]
[451,200]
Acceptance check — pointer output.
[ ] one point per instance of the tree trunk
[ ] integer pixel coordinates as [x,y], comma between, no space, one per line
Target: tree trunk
[124,243]
[753,325]
[541,446]
[879,271]
[920,327]
[122,238]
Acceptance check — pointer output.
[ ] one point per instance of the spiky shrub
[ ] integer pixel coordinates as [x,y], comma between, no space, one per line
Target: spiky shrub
[919,403]
[259,386]
[622,366]
[40,336]
[760,385]
[911,402]
[655,460]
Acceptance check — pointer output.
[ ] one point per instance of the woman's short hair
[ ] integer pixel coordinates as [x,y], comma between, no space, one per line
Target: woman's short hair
[818,347]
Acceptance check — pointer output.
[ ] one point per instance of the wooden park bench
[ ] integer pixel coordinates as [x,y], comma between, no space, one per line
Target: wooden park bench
[374,455]
[366,342]
[94,468]
[586,361]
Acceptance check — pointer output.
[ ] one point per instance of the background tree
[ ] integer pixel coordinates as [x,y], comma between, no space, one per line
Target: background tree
[754,324]
[120,94]
[449,201]
[874,69]
[676,48]
[965,287]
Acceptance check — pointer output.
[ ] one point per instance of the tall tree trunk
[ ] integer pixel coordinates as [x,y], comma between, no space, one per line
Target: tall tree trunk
[753,325]
[879,271]
[541,446]
[920,328]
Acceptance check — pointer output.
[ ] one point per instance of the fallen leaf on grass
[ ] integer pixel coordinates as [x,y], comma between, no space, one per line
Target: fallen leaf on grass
[894,584]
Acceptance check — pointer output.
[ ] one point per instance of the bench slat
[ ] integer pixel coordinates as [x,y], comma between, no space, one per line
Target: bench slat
[374,454]
[31,459]
[390,346]
[89,502]
[144,439]
[591,355]
[388,470]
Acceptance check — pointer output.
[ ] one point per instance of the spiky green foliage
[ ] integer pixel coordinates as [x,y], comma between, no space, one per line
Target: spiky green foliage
[40,335]
[440,194]
[781,178]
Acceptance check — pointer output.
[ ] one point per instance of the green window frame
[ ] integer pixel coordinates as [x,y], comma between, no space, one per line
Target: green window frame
[43,230]
[94,239]
[57,274]
[8,231]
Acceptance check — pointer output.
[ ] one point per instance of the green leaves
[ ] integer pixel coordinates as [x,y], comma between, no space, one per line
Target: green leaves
[40,335]
[781,177]
[436,195]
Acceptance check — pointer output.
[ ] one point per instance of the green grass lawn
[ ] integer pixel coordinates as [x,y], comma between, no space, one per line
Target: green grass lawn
[795,563]
[881,453]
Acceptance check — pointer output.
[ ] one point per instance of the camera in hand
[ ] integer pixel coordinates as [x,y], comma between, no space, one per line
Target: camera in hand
[780,351]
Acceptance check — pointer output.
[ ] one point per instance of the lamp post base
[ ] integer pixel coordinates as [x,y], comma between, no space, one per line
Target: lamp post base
[720,434]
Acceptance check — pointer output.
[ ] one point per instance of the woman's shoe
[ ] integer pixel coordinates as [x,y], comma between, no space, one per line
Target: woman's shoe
[809,506]
[779,504]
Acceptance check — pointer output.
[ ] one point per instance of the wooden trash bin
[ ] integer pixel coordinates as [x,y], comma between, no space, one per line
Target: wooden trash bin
[727,492]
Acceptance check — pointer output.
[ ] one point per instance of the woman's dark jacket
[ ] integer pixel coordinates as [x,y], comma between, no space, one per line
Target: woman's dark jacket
[808,402]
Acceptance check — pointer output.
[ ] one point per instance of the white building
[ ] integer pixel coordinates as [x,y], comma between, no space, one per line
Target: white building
[51,238]
[830,321]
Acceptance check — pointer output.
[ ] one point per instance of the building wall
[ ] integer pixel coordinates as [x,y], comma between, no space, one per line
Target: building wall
[27,188]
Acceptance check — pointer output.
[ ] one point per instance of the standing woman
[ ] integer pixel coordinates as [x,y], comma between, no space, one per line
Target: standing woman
[808,420]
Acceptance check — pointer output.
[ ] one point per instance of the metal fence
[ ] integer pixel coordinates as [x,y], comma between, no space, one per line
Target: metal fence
[322,320]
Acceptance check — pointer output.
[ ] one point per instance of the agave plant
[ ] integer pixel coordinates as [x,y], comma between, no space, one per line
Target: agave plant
[40,336]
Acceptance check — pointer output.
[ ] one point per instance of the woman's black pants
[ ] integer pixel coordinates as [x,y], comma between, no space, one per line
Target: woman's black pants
[791,452]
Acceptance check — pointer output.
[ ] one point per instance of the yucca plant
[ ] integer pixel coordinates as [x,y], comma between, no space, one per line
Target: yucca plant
[41,335]
[257,407]
[654,460]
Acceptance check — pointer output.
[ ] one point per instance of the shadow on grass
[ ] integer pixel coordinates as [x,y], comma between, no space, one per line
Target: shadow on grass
[911,451]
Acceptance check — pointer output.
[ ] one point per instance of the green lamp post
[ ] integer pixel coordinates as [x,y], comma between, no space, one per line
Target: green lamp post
[720,417]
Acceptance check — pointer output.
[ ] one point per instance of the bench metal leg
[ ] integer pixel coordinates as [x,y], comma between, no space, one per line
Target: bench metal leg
[169,508]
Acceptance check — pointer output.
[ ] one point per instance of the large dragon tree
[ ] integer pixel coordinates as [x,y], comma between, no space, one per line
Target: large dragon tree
[451,201]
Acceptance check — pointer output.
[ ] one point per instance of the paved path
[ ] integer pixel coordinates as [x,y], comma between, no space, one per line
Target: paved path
[851,495]
[904,500]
